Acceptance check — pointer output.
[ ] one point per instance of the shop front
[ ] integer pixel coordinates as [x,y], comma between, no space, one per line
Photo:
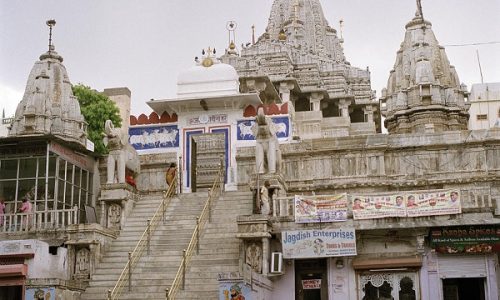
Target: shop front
[465,260]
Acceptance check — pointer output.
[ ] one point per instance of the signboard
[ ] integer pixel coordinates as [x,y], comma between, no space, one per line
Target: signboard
[311,284]
[244,130]
[432,203]
[318,243]
[376,206]
[318,209]
[152,137]
[472,239]
[67,154]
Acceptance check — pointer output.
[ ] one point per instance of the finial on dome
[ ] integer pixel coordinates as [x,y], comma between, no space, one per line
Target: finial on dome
[208,57]
[419,12]
[282,35]
[51,23]
[253,34]
[341,28]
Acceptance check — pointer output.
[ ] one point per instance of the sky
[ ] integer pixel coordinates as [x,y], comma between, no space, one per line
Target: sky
[144,44]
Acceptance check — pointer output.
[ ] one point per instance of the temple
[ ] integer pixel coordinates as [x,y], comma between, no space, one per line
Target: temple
[267,176]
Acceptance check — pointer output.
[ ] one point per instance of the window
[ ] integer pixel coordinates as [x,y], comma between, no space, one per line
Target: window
[482,117]
[394,286]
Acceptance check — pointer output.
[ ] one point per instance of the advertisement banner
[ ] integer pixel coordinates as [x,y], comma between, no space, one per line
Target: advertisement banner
[471,239]
[319,243]
[376,206]
[319,209]
[432,203]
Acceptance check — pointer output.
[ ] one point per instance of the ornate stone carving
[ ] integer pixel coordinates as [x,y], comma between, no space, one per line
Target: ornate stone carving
[253,257]
[114,216]
[82,263]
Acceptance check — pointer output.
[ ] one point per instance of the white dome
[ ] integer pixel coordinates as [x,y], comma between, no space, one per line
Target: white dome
[216,80]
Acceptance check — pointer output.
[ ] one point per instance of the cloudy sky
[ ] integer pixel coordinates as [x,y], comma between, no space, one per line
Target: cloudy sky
[143,44]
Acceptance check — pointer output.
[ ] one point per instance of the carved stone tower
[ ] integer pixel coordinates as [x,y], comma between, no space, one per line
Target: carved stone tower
[423,92]
[48,106]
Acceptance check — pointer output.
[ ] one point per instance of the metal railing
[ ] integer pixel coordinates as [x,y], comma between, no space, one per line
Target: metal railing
[194,243]
[142,245]
[40,220]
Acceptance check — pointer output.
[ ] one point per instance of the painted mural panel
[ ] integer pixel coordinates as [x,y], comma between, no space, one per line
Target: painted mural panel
[245,132]
[237,290]
[41,293]
[319,243]
[152,137]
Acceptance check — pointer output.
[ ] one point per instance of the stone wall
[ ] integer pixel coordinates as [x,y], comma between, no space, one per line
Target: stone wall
[467,160]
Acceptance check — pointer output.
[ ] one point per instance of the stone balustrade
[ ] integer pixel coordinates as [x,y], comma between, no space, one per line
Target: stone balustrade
[40,220]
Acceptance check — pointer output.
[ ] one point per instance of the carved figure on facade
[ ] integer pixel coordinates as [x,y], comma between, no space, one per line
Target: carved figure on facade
[267,151]
[82,263]
[115,140]
[114,216]
[253,257]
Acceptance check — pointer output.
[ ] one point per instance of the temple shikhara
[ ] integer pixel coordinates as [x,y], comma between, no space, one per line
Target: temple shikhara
[266,177]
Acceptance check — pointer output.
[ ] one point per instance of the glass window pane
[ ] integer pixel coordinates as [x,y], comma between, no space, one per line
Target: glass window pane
[69,172]
[8,169]
[27,168]
[8,190]
[68,202]
[42,165]
[52,166]
[62,169]
[78,176]
[60,194]
[84,180]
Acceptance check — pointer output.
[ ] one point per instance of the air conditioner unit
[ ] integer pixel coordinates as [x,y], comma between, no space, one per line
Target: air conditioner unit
[276,263]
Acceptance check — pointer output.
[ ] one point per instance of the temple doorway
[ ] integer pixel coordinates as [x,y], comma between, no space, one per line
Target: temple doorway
[311,279]
[208,151]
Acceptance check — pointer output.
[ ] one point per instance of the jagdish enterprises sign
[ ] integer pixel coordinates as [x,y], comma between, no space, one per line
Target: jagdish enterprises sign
[319,243]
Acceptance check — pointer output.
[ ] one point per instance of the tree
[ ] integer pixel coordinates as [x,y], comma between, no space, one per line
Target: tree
[96,108]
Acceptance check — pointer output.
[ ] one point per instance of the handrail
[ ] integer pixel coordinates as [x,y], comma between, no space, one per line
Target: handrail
[142,244]
[205,214]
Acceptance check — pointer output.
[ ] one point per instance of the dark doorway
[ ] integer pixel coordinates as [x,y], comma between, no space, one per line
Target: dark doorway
[208,152]
[463,289]
[311,280]
[11,292]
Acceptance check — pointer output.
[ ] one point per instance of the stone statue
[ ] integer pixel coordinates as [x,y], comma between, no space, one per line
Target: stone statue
[267,151]
[115,140]
[253,257]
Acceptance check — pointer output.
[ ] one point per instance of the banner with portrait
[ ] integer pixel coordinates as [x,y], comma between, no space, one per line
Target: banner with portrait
[319,209]
[378,206]
[433,203]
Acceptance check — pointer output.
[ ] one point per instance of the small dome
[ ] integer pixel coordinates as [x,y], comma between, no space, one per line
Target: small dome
[215,79]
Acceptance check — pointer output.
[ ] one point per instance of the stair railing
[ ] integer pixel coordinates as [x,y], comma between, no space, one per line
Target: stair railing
[205,215]
[142,245]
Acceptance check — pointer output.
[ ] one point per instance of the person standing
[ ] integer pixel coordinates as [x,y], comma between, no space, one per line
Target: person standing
[170,174]
[26,208]
[2,210]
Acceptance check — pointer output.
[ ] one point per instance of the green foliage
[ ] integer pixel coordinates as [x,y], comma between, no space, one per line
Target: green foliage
[96,109]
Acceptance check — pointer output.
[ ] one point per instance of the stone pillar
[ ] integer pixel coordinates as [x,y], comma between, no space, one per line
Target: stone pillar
[344,108]
[284,90]
[104,213]
[265,256]
[368,110]
[315,99]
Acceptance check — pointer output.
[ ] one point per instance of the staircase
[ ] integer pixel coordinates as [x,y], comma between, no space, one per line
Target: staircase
[219,248]
[154,272]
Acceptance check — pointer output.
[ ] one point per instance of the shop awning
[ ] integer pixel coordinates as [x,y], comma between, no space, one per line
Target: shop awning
[386,263]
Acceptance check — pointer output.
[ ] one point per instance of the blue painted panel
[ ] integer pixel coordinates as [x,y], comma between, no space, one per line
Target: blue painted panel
[244,128]
[152,137]
[47,293]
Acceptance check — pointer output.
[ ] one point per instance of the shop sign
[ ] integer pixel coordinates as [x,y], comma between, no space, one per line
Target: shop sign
[318,243]
[78,159]
[433,203]
[319,209]
[378,206]
[472,239]
[311,284]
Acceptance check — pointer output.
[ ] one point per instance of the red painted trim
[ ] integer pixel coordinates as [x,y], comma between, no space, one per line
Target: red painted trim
[13,271]
[17,255]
